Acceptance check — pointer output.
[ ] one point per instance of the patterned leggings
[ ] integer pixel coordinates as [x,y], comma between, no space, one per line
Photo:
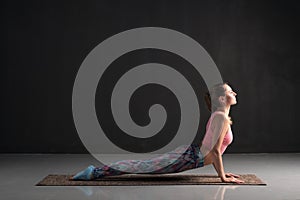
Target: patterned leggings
[170,162]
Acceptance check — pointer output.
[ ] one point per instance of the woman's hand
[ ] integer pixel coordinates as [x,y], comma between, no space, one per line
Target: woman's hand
[232,179]
[232,175]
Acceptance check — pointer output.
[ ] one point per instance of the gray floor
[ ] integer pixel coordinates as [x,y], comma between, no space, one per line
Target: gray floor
[20,173]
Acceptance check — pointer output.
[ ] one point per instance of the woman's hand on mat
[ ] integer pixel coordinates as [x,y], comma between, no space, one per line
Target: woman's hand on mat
[232,180]
[232,175]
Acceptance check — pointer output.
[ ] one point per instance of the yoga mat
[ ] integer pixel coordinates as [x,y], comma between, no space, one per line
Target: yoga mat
[147,179]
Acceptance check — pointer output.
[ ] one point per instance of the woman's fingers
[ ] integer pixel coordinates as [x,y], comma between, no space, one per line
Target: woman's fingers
[236,176]
[232,175]
[233,180]
[238,180]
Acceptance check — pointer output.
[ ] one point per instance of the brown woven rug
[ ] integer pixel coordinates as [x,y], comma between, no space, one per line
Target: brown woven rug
[147,179]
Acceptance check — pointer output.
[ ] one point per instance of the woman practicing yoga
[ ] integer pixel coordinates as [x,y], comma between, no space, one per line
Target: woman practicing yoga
[217,137]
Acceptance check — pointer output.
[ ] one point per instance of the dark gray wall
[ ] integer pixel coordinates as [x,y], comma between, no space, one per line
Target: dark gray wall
[255,45]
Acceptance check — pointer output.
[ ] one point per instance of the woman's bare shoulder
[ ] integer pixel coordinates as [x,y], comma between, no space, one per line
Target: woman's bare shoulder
[219,118]
[219,115]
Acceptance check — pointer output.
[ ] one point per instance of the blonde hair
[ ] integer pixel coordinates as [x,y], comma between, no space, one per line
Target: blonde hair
[212,98]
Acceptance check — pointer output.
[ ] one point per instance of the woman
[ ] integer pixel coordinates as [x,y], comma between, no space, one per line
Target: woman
[217,137]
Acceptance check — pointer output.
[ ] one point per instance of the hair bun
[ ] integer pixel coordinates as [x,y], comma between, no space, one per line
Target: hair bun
[208,100]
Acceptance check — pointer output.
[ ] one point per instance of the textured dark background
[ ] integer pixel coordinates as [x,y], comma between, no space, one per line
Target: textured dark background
[255,45]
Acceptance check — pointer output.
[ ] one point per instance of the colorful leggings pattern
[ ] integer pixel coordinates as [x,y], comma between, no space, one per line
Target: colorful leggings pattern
[169,162]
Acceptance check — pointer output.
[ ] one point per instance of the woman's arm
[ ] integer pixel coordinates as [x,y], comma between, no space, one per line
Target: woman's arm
[220,126]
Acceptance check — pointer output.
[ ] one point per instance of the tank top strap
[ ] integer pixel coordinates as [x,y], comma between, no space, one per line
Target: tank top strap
[214,113]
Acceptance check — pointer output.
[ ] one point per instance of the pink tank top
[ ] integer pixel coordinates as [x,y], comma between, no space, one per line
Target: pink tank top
[207,141]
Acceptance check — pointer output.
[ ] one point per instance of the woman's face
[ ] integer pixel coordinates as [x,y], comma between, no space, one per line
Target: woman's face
[230,95]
